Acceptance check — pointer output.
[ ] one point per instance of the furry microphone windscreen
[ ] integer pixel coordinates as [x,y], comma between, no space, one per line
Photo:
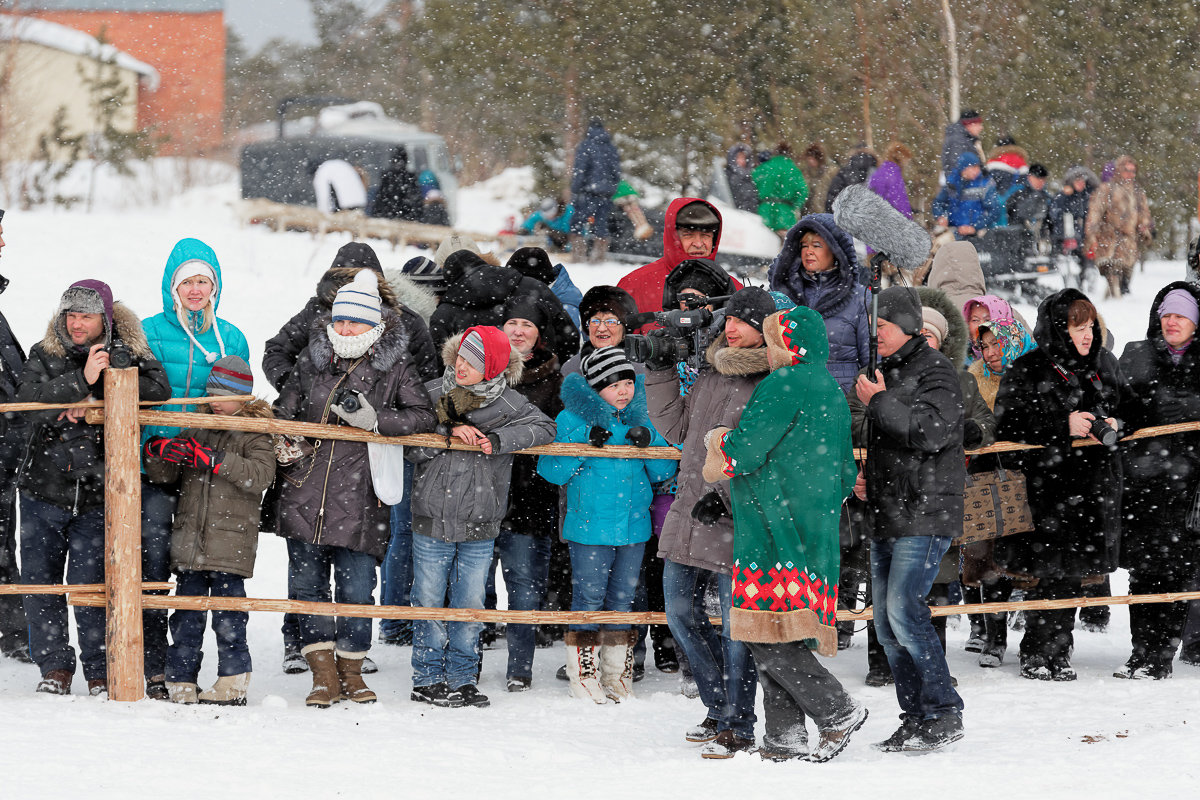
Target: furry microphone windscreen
[868,217]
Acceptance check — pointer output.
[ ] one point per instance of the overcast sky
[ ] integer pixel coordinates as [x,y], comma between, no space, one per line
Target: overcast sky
[257,21]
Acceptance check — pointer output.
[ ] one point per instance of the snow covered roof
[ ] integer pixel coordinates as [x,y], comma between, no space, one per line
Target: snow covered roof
[69,40]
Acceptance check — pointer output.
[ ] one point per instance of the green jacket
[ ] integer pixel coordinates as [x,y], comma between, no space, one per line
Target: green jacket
[792,466]
[781,191]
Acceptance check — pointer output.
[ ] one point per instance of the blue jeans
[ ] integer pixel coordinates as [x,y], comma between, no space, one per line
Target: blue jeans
[604,578]
[902,573]
[187,627]
[448,652]
[396,572]
[525,560]
[722,667]
[52,539]
[158,512]
[354,582]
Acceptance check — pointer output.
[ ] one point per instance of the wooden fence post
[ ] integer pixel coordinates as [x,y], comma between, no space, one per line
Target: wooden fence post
[123,534]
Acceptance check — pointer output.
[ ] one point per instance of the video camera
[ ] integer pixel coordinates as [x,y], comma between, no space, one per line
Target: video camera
[684,336]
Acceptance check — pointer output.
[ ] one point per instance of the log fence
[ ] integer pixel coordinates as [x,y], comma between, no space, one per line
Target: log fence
[123,593]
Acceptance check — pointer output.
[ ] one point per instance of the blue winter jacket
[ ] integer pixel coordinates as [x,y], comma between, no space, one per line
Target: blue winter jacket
[973,202]
[567,293]
[597,164]
[186,364]
[608,499]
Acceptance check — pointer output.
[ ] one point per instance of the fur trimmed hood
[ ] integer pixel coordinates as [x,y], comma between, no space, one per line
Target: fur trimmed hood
[513,372]
[418,298]
[384,354]
[126,327]
[586,403]
[737,361]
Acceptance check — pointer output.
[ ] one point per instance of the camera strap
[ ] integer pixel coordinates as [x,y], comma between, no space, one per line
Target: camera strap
[316,445]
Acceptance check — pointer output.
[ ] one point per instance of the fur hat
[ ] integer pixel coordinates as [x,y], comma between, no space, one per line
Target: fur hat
[358,300]
[88,297]
[605,366]
[485,348]
[901,306]
[607,298]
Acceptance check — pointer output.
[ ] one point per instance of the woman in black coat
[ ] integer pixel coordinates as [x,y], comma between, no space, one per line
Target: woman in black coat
[1054,396]
[1161,474]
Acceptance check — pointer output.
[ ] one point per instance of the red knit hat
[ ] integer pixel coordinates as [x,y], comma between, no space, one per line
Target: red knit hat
[486,348]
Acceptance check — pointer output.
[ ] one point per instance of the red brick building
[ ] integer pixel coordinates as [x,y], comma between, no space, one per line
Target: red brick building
[183,39]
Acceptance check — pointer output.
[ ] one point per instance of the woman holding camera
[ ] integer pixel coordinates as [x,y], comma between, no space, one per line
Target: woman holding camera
[1068,391]
[356,370]
[187,337]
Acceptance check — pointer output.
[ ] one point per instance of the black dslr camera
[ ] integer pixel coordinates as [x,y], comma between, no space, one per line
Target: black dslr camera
[684,336]
[119,354]
[347,398]
[1103,432]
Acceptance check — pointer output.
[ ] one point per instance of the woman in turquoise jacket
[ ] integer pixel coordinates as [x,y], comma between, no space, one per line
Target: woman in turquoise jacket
[608,514]
[187,337]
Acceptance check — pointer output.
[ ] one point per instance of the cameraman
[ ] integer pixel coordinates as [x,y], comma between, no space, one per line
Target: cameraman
[697,536]
[62,474]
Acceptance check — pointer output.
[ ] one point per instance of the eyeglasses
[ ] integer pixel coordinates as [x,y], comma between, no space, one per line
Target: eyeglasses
[607,322]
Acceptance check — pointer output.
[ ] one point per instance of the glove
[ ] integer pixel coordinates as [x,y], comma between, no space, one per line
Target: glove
[972,434]
[639,436]
[1175,407]
[598,436]
[709,509]
[365,417]
[203,457]
[173,451]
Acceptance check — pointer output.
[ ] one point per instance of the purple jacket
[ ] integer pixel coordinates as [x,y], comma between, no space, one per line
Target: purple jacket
[888,183]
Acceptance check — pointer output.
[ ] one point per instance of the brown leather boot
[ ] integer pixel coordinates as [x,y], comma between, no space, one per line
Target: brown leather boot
[326,689]
[56,681]
[349,670]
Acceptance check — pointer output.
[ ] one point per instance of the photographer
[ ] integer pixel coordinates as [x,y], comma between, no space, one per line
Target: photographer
[62,474]
[1068,388]
[697,536]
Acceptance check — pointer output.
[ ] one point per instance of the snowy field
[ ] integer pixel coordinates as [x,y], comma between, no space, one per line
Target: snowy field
[1098,737]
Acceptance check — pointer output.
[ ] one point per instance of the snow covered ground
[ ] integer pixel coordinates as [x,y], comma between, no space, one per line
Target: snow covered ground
[1097,738]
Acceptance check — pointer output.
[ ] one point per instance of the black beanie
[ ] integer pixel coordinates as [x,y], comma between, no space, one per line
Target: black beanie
[901,306]
[751,305]
[357,255]
[533,262]
[527,307]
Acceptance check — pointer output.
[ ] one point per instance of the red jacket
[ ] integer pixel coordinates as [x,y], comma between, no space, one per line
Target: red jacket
[645,284]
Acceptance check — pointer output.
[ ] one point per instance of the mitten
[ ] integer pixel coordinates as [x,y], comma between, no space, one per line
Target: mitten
[365,417]
[715,463]
[709,509]
[597,436]
[204,457]
[972,434]
[639,436]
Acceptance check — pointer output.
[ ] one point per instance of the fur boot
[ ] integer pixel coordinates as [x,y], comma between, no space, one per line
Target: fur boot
[616,663]
[183,693]
[326,688]
[349,672]
[229,690]
[583,667]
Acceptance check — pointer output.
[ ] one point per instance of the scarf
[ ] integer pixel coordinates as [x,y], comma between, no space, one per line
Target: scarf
[458,401]
[353,346]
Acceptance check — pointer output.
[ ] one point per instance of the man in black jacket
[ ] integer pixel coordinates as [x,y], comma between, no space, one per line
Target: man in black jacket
[912,484]
[14,638]
[62,474]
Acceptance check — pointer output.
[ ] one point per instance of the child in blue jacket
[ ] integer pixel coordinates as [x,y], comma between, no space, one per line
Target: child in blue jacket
[608,515]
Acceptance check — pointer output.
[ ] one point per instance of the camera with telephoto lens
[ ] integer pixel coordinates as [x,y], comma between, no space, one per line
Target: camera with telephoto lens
[1103,432]
[119,354]
[347,398]
[684,336]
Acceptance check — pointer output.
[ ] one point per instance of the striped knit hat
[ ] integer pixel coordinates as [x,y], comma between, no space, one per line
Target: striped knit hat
[230,376]
[358,300]
[606,366]
[486,348]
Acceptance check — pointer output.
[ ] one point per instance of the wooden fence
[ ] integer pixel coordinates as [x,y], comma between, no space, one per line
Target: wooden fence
[123,593]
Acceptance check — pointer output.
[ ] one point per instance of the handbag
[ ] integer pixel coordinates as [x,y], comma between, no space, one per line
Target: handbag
[995,504]
[387,471]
